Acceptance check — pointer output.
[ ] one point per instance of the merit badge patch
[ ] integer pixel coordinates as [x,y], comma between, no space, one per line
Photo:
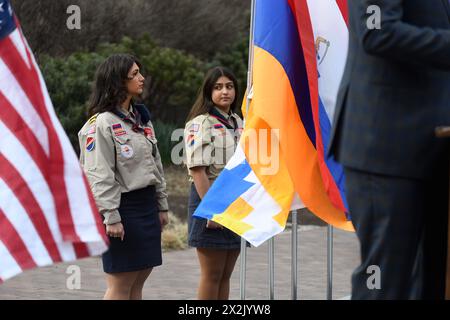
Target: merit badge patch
[126,151]
[194,128]
[90,144]
[118,130]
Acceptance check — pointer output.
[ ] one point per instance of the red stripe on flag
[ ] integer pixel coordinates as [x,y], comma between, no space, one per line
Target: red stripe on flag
[81,250]
[343,6]
[23,133]
[14,243]
[20,188]
[29,80]
[12,120]
[24,75]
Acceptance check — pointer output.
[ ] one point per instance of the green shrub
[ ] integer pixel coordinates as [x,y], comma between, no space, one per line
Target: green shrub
[175,79]
[164,133]
[69,84]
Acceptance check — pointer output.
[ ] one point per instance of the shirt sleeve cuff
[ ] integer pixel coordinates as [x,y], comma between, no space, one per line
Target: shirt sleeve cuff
[111,217]
[163,205]
[198,164]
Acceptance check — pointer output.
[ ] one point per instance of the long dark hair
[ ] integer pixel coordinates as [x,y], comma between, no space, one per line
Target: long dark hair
[204,101]
[109,90]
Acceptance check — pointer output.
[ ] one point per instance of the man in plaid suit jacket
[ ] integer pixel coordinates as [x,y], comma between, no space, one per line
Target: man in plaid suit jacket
[394,92]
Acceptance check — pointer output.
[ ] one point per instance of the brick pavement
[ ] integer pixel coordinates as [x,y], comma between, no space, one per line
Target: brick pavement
[178,278]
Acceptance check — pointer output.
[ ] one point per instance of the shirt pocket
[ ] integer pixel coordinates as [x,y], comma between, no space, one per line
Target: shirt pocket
[151,143]
[125,149]
[224,139]
[224,146]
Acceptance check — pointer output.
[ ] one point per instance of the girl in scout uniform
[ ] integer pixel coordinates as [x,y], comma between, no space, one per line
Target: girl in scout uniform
[120,157]
[211,136]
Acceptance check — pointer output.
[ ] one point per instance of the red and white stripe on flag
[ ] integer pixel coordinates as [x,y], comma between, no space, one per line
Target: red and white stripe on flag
[47,212]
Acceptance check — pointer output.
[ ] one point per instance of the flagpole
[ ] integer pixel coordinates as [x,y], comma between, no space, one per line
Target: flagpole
[250,55]
[330,263]
[272,268]
[242,274]
[294,250]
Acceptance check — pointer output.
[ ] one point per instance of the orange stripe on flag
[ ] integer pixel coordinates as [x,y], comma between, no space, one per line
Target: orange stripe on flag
[276,104]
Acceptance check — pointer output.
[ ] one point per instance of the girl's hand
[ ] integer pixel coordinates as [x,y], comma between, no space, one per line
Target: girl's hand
[115,230]
[164,219]
[213,225]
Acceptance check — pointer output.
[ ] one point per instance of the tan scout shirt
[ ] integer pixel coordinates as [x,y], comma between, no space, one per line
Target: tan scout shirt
[209,143]
[116,160]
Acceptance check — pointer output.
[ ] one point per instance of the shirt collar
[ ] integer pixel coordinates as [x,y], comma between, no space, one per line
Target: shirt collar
[131,113]
[224,114]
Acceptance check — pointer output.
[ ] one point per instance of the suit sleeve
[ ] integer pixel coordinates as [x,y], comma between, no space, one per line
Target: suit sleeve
[399,40]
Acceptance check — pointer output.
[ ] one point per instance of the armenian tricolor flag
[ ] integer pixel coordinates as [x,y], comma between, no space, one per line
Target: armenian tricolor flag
[299,54]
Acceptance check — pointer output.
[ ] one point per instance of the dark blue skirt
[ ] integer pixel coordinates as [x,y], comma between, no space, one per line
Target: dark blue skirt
[141,247]
[202,237]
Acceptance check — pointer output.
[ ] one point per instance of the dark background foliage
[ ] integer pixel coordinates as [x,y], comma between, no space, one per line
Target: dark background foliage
[175,40]
[200,27]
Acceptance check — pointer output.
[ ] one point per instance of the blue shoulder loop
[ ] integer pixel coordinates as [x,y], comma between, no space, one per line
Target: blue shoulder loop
[143,111]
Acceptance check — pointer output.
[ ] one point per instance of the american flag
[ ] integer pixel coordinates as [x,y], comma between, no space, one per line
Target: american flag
[47,212]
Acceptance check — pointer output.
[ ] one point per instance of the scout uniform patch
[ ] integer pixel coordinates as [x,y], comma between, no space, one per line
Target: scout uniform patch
[90,144]
[190,140]
[118,130]
[219,129]
[126,151]
[194,128]
[149,133]
[92,124]
[91,130]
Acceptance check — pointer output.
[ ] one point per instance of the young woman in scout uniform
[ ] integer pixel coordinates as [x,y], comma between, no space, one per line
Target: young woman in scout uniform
[120,157]
[211,136]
